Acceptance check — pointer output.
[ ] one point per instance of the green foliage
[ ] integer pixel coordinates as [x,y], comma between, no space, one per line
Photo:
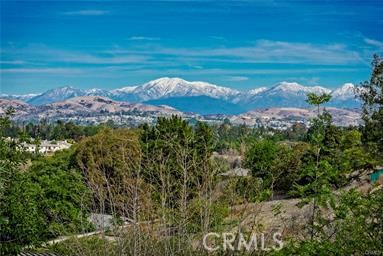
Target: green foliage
[51,131]
[287,166]
[48,200]
[249,189]
[151,246]
[317,173]
[110,162]
[11,160]
[175,155]
[333,154]
[216,212]
[318,99]
[315,99]
[321,129]
[64,197]
[353,155]
[277,164]
[354,229]
[86,246]
[315,181]
[166,174]
[371,94]
[260,157]
[297,132]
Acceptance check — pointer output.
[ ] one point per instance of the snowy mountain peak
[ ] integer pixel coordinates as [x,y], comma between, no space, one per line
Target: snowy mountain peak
[292,87]
[347,87]
[57,94]
[22,97]
[97,92]
[165,83]
[126,89]
[347,91]
[176,87]
[257,90]
[283,94]
[94,90]
[167,80]
[288,86]
[64,90]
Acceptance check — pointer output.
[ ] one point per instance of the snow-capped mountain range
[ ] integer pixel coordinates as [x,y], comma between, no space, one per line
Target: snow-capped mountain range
[283,94]
[172,87]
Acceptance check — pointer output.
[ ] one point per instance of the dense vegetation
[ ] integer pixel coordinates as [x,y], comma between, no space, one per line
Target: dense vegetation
[170,188]
[50,131]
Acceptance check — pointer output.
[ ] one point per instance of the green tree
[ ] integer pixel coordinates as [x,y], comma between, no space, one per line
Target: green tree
[168,159]
[371,94]
[177,163]
[318,99]
[317,173]
[353,155]
[111,164]
[48,200]
[11,159]
[356,228]
[260,157]
[276,163]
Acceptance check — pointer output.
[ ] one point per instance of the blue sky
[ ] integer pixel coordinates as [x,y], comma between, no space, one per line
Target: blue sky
[239,44]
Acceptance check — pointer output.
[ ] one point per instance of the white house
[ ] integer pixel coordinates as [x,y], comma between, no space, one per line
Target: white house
[46,146]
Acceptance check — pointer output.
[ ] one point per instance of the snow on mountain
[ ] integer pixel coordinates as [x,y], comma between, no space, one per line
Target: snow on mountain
[127,89]
[58,94]
[347,91]
[295,88]
[176,87]
[283,94]
[63,93]
[346,97]
[245,97]
[125,94]
[23,97]
[256,90]
[98,92]
[157,89]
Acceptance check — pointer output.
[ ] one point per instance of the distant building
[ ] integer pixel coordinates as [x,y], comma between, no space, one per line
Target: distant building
[46,146]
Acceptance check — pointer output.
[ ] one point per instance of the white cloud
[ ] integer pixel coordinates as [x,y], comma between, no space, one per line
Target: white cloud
[86,13]
[373,42]
[236,78]
[37,54]
[262,51]
[265,51]
[12,62]
[143,38]
[231,72]
[196,66]
[41,70]
[158,59]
